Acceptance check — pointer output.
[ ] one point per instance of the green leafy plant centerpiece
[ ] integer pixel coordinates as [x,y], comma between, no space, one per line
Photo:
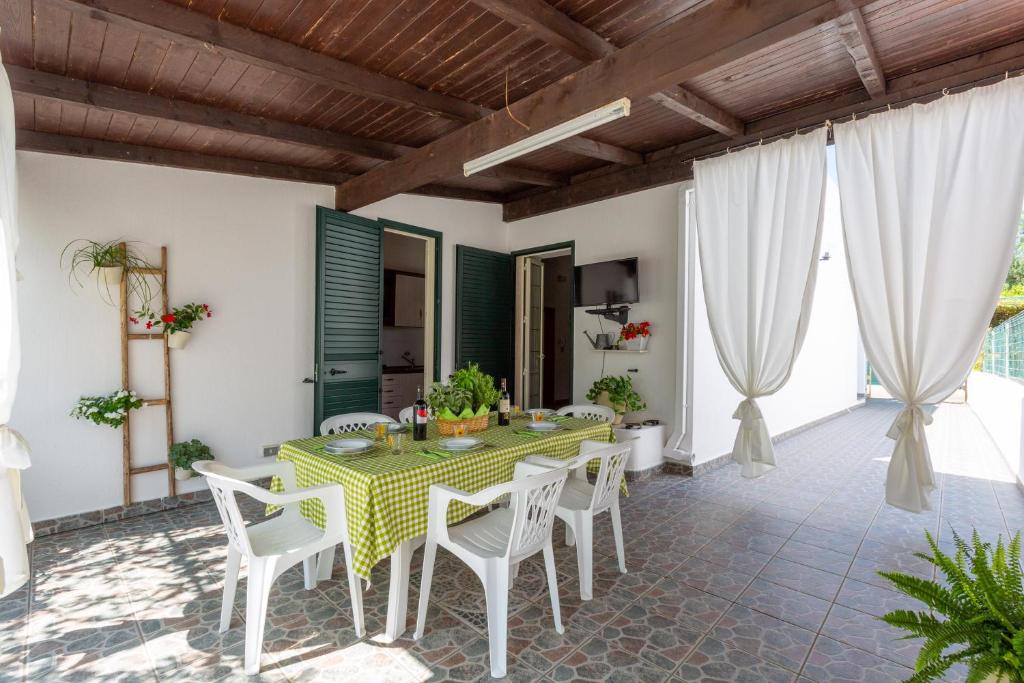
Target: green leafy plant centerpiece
[618,394]
[183,454]
[467,397]
[111,409]
[107,261]
[979,606]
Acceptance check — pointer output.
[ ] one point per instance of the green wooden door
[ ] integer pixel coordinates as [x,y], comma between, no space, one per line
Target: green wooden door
[349,305]
[484,309]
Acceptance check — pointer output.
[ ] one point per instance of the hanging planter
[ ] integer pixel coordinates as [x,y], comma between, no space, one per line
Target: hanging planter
[110,276]
[106,262]
[111,410]
[177,323]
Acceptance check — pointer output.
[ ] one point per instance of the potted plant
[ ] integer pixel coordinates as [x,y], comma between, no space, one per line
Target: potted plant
[979,605]
[177,323]
[466,399]
[107,261]
[183,454]
[111,409]
[635,335]
[618,394]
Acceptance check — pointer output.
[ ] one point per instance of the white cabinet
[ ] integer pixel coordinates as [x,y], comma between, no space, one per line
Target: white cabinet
[408,301]
[398,391]
[647,447]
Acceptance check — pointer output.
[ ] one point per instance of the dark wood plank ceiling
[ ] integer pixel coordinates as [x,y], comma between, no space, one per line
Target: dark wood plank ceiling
[451,48]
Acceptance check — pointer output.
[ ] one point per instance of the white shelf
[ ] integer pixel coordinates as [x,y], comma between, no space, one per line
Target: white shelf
[622,350]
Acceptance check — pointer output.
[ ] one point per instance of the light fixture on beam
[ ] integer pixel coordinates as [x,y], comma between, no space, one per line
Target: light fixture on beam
[580,124]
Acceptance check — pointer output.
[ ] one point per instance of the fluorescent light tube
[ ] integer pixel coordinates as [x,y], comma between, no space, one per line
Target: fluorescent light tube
[580,124]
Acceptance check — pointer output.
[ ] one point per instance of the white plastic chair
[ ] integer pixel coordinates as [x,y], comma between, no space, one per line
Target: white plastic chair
[405,415]
[351,422]
[275,545]
[589,411]
[492,543]
[581,501]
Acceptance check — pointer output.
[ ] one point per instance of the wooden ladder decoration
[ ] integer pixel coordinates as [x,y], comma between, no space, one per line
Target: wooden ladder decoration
[126,435]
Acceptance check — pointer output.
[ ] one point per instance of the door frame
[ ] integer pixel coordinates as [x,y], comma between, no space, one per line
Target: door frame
[517,361]
[438,239]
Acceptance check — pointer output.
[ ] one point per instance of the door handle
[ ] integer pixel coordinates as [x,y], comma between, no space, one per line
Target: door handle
[336,371]
[308,380]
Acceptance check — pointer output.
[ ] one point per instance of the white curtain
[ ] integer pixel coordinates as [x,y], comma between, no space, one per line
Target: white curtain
[931,195]
[15,530]
[759,216]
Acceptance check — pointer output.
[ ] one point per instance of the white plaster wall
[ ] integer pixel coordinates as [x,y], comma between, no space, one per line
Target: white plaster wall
[999,404]
[644,225]
[825,376]
[245,246]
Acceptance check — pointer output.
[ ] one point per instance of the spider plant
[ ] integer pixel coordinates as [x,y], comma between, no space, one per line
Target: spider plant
[86,258]
[979,606]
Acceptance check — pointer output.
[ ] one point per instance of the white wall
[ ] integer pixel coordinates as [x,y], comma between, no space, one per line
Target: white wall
[644,225]
[825,376]
[999,404]
[245,246]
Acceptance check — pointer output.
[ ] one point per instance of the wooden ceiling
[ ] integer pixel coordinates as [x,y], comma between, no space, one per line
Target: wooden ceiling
[385,96]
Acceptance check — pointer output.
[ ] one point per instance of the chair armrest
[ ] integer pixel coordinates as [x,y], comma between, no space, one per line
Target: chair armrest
[283,469]
[526,468]
[545,461]
[590,445]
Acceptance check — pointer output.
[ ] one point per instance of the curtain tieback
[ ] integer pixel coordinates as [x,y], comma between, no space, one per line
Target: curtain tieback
[912,417]
[748,413]
[14,449]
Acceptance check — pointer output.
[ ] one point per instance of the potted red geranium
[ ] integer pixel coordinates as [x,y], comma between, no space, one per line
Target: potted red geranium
[177,323]
[636,335]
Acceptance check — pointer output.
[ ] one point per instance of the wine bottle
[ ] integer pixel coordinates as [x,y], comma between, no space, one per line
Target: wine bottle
[419,417]
[504,405]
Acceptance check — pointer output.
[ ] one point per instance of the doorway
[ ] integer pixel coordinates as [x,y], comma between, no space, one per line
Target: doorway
[543,338]
[409,323]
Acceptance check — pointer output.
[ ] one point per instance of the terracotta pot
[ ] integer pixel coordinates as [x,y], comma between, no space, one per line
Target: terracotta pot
[178,340]
[181,474]
[619,411]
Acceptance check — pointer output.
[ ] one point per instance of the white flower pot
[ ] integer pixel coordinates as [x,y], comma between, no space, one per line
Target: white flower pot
[642,343]
[178,340]
[604,401]
[110,275]
[182,474]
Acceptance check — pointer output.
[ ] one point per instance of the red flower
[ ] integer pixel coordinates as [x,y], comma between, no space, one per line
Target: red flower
[206,307]
[168,318]
[135,321]
[149,324]
[209,314]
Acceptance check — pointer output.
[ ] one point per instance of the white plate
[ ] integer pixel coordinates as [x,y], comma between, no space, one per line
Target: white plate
[543,427]
[459,443]
[343,446]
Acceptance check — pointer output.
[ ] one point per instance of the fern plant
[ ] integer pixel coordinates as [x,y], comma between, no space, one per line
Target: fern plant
[979,606]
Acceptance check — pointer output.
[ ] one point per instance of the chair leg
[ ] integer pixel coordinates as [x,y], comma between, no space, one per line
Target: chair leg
[427,575]
[230,583]
[549,564]
[570,539]
[261,579]
[496,577]
[325,564]
[617,530]
[355,590]
[309,572]
[515,572]
[584,524]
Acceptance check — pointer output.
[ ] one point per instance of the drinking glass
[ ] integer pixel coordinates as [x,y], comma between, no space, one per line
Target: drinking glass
[538,417]
[381,429]
[395,442]
[460,430]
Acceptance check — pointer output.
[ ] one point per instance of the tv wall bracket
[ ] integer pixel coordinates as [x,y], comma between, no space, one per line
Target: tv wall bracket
[618,314]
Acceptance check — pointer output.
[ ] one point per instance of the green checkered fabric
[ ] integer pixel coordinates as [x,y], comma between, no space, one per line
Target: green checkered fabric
[386,494]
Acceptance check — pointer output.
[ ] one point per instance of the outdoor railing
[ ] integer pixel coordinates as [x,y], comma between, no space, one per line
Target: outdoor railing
[1003,350]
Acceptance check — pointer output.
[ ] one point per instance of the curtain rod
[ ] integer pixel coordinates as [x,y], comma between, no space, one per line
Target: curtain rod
[828,123]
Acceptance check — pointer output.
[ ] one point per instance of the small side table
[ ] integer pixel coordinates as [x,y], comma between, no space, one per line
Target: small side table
[650,440]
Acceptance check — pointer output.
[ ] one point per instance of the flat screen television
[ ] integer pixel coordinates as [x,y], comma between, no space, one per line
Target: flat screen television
[607,283]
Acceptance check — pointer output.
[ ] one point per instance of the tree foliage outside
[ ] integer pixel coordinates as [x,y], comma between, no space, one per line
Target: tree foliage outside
[1015,276]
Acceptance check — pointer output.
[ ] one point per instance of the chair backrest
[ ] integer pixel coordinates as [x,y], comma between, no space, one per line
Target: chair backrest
[405,415]
[614,459]
[223,482]
[589,411]
[351,422]
[534,503]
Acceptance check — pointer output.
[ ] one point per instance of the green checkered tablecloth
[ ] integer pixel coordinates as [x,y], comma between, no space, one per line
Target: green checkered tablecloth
[386,494]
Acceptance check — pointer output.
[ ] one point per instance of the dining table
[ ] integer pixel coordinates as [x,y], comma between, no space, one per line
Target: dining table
[386,493]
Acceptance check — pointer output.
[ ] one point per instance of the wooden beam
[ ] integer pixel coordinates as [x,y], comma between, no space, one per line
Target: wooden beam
[854,34]
[546,23]
[675,164]
[713,36]
[41,84]
[52,143]
[206,34]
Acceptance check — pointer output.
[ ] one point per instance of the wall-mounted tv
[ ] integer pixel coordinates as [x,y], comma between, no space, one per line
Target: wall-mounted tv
[608,283]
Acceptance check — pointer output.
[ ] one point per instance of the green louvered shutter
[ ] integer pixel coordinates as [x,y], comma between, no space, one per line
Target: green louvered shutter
[484,308]
[349,305]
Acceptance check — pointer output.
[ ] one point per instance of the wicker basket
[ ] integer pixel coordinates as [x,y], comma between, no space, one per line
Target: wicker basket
[473,424]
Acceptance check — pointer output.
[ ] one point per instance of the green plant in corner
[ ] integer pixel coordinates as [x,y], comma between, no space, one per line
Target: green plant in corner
[981,605]
[184,453]
[620,394]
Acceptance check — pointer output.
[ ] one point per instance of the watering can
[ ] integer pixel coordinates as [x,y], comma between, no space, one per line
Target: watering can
[601,341]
